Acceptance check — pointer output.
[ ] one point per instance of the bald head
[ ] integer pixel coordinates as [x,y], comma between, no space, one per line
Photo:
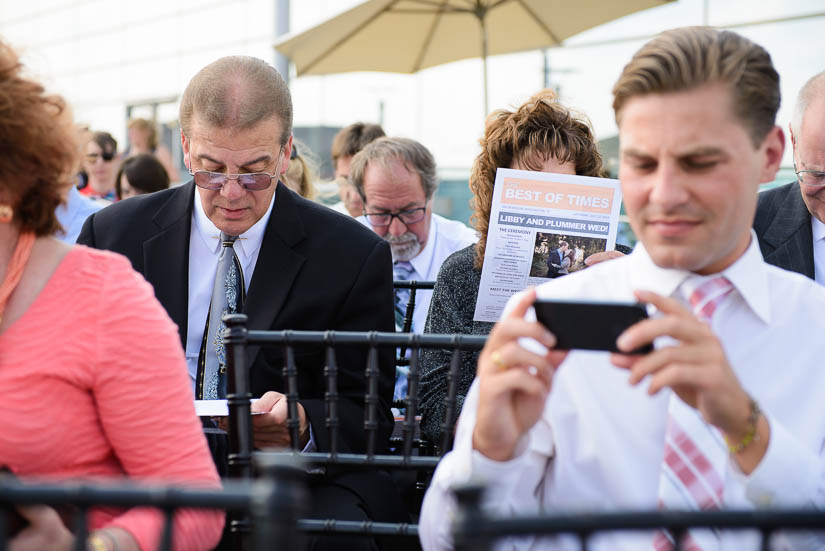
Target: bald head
[812,90]
[237,92]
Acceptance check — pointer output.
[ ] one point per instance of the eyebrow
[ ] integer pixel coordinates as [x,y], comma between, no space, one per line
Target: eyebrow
[246,165]
[630,152]
[706,151]
[808,166]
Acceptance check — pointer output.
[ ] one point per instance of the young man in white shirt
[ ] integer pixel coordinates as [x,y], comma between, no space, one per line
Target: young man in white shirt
[727,411]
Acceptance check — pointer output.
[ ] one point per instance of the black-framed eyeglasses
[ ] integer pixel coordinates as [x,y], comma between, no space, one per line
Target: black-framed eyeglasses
[810,177]
[107,156]
[407,216]
[252,181]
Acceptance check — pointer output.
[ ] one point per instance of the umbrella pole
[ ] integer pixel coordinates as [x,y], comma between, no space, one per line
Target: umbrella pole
[484,46]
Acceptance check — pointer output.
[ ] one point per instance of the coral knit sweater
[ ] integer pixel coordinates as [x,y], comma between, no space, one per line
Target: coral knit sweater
[95,386]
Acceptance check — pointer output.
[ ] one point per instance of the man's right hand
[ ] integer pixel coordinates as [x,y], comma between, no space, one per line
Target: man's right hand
[513,382]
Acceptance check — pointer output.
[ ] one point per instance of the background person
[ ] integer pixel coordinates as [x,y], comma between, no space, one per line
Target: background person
[100,163]
[268,253]
[396,178]
[789,219]
[143,139]
[301,172]
[140,174]
[345,145]
[541,135]
[84,399]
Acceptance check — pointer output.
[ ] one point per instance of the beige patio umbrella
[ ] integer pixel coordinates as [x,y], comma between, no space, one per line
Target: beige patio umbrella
[405,36]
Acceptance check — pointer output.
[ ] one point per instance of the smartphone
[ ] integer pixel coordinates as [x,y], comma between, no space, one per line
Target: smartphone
[590,325]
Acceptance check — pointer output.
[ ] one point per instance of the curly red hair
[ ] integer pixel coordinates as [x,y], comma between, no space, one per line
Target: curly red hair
[538,130]
[39,146]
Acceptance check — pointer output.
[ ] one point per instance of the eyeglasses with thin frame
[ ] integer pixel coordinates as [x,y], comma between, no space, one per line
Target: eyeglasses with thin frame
[252,181]
[407,216]
[810,177]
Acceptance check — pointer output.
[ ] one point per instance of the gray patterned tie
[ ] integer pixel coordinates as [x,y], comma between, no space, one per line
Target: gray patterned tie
[401,272]
[227,298]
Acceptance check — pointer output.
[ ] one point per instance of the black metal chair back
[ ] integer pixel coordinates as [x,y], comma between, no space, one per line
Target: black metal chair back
[414,286]
[237,337]
[475,530]
[274,502]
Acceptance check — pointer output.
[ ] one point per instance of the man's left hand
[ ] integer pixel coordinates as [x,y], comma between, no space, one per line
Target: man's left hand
[696,369]
[269,429]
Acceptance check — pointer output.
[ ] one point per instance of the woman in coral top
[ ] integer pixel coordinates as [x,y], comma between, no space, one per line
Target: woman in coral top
[93,377]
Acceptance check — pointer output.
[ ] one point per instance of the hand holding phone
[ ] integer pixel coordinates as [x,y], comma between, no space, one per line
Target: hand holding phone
[590,325]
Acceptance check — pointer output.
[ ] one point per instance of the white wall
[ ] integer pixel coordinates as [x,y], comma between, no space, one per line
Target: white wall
[105,54]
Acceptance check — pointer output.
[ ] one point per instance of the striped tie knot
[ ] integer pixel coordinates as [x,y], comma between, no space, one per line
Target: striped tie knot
[706,294]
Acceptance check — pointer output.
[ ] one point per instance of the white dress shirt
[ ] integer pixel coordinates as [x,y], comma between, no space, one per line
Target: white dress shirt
[599,443]
[445,237]
[204,250]
[818,235]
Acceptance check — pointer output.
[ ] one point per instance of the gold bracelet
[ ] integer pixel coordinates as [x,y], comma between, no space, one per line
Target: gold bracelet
[750,436]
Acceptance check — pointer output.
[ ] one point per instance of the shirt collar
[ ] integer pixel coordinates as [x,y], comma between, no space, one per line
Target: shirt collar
[424,259]
[747,274]
[248,242]
[817,229]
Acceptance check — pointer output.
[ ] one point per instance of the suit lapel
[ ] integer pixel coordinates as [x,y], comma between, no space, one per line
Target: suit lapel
[790,235]
[166,256]
[277,265]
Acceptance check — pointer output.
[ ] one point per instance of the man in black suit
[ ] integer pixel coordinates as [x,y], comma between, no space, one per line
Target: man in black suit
[304,267]
[789,219]
[555,258]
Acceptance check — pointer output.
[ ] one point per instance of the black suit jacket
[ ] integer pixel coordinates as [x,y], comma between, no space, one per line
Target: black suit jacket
[553,263]
[316,270]
[783,227]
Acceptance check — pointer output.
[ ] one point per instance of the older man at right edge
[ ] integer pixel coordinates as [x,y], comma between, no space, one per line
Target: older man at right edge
[727,411]
[790,219]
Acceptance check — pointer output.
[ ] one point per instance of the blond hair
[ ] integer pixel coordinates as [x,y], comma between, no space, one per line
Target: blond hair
[689,57]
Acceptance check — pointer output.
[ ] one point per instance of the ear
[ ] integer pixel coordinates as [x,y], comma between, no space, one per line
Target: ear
[793,140]
[287,154]
[184,143]
[773,147]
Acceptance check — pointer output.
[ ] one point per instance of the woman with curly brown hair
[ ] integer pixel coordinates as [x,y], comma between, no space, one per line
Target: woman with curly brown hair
[541,135]
[94,379]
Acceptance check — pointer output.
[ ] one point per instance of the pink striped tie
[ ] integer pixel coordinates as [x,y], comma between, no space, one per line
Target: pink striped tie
[695,453]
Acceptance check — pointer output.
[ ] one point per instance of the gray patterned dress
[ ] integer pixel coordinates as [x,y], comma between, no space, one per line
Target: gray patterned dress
[451,311]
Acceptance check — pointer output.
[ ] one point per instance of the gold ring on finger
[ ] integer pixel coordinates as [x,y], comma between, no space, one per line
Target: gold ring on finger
[497,361]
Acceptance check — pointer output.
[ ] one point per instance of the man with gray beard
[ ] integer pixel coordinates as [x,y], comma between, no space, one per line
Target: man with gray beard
[396,180]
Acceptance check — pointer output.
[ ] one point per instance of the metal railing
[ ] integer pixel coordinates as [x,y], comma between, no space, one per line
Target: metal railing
[237,338]
[273,503]
[475,530]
